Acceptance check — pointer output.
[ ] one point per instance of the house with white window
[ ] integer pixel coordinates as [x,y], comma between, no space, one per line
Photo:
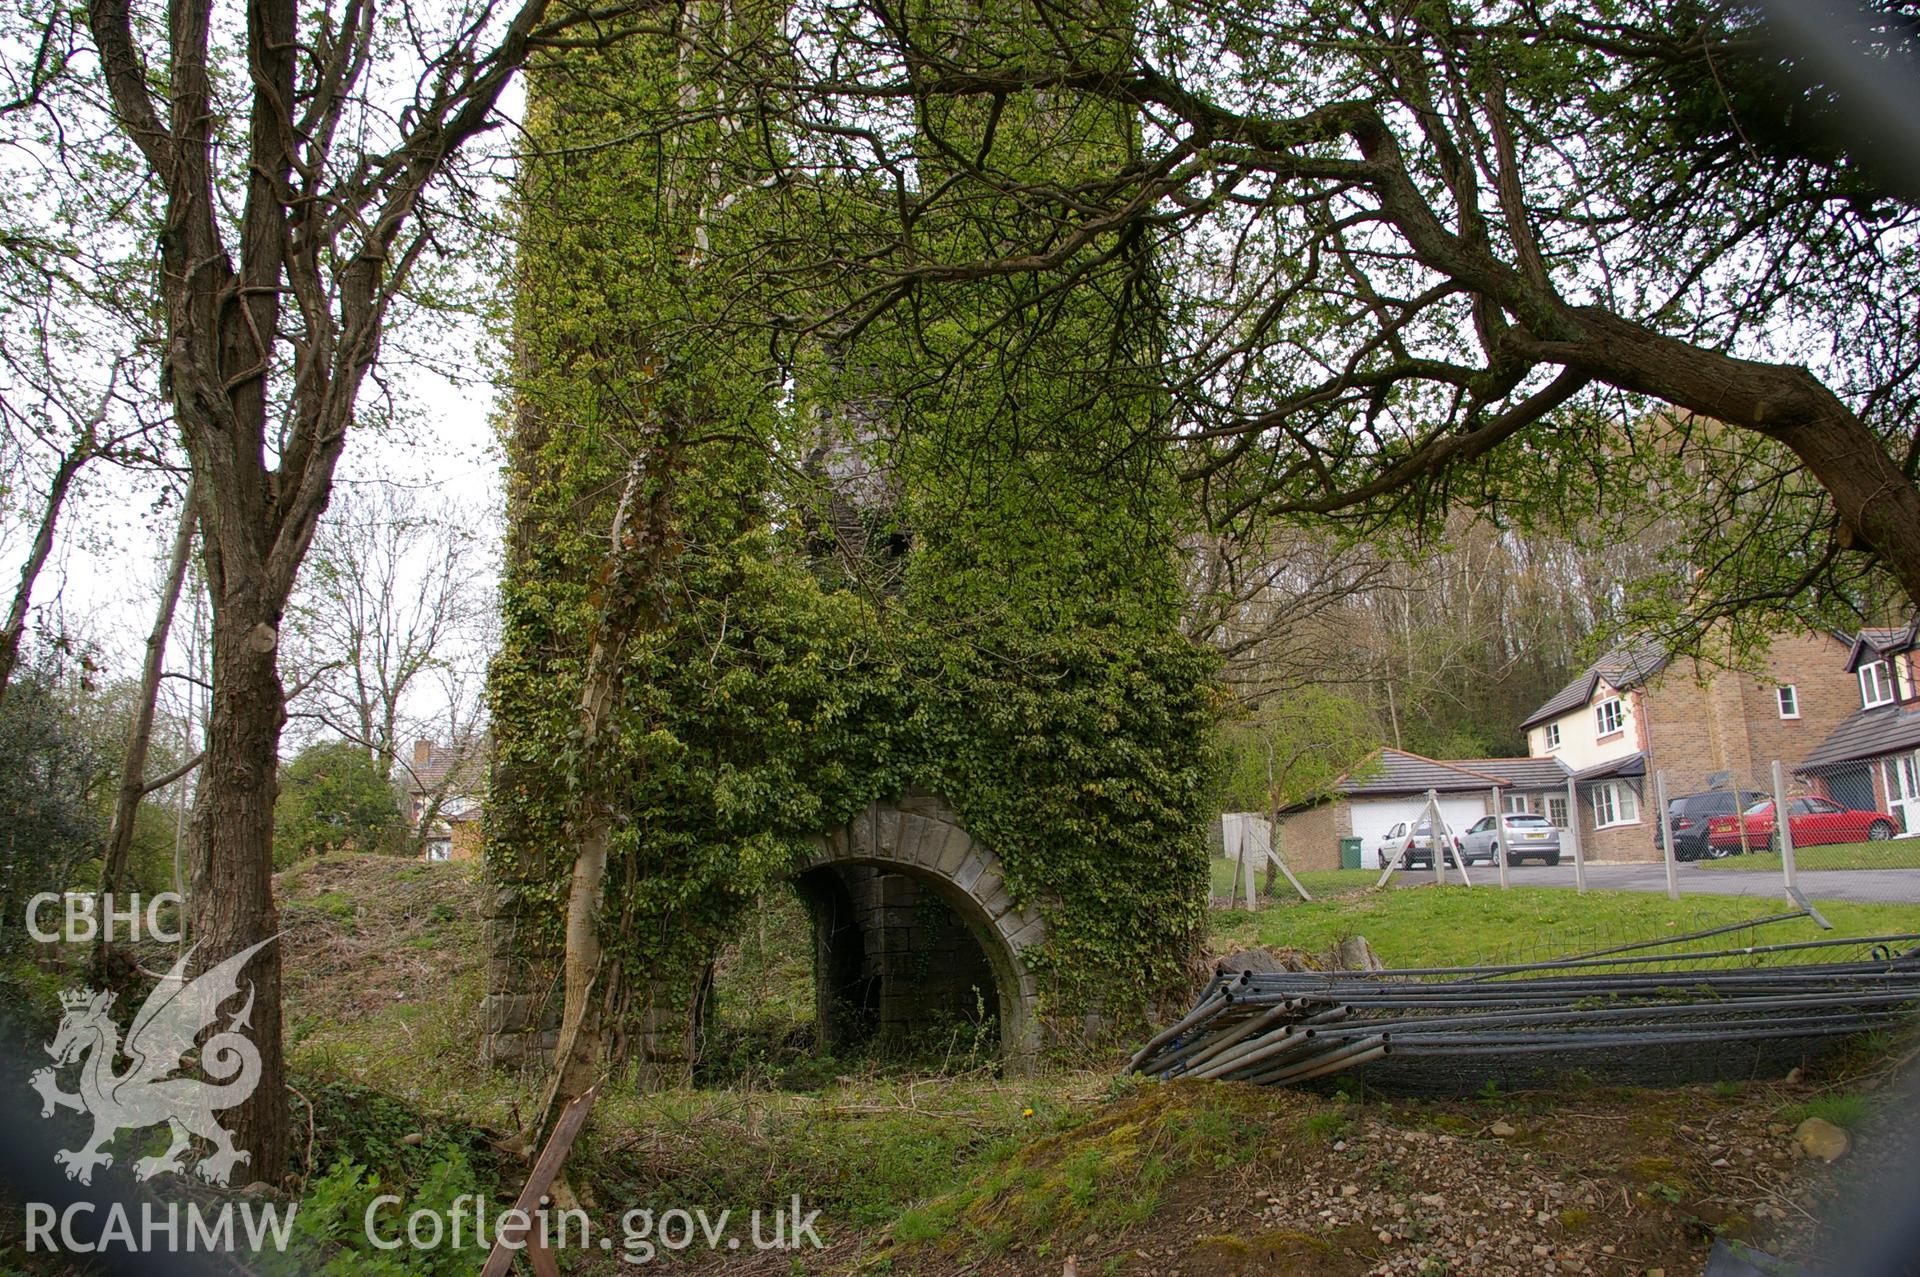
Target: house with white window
[1871,760]
[441,789]
[1639,710]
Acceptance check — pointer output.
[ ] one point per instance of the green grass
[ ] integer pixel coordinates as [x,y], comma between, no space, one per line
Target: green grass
[1321,882]
[1433,926]
[1101,1171]
[1848,1109]
[862,1149]
[1898,853]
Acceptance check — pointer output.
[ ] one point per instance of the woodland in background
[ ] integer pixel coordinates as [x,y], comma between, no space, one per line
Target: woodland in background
[1440,649]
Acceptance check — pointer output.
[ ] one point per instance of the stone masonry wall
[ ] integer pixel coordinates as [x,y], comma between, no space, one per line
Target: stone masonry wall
[906,869]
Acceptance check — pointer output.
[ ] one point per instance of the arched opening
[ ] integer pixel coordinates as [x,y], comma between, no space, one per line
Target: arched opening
[896,969]
[915,928]
[896,939]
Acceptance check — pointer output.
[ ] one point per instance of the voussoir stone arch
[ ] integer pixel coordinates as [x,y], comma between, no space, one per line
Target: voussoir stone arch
[920,835]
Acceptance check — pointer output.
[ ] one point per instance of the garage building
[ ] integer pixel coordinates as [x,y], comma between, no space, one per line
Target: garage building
[1390,786]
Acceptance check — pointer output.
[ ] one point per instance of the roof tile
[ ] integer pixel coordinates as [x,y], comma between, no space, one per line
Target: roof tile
[1867,733]
[1625,666]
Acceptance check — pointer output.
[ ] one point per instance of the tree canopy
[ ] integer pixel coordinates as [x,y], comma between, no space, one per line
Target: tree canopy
[1413,257]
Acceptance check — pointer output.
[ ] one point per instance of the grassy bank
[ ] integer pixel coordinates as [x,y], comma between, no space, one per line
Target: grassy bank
[1322,882]
[917,1170]
[1897,853]
[1446,926]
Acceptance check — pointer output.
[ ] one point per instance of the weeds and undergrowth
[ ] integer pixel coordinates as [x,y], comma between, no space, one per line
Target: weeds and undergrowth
[926,1168]
[385,974]
[862,1149]
[1849,1109]
[1102,1176]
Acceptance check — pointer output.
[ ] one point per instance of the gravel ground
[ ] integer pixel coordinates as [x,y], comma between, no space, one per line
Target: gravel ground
[1613,1183]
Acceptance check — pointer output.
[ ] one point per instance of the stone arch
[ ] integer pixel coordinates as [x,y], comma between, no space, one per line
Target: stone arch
[920,836]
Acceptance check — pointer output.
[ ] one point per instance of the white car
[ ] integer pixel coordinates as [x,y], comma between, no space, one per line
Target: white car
[1381,849]
[1415,840]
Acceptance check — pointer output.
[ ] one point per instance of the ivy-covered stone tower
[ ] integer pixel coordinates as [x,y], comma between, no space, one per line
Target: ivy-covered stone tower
[915,648]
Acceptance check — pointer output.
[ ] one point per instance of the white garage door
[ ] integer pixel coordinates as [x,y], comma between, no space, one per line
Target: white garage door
[1372,817]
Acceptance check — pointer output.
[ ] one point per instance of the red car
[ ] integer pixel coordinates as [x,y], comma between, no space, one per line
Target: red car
[1814,821]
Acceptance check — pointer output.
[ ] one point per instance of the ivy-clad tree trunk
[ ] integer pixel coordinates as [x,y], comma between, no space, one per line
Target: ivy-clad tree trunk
[273,320]
[629,587]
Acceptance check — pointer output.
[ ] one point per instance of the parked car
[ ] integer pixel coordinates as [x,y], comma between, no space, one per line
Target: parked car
[1415,845]
[1387,845]
[1528,836]
[1814,821]
[1689,814]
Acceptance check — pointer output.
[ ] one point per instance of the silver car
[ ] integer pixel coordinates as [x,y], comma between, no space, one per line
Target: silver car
[1528,837]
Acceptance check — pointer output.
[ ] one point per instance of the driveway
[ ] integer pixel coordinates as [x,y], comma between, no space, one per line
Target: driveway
[1870,885]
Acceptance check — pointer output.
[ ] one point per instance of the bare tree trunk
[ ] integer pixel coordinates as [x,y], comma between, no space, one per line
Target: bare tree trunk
[133,770]
[230,891]
[577,1056]
[639,547]
[16,623]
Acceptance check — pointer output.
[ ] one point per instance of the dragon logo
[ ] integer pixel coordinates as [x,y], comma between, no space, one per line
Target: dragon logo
[146,1094]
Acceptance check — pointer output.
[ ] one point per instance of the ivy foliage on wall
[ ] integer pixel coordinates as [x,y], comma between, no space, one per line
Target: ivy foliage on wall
[1027,664]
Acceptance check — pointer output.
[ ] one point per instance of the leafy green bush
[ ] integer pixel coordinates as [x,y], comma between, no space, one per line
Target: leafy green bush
[333,797]
[332,1225]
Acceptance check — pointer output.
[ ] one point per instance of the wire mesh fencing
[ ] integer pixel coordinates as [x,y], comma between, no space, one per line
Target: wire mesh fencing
[1638,1012]
[1846,830]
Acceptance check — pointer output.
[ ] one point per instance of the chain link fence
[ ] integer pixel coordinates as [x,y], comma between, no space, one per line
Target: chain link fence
[1851,836]
[1850,831]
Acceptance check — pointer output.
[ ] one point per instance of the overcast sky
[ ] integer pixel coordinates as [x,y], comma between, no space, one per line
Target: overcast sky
[103,579]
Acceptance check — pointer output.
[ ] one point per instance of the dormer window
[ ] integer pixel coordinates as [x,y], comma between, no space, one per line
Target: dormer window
[1876,688]
[1610,716]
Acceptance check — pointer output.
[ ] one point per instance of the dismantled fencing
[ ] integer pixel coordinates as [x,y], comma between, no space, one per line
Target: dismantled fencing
[1644,1011]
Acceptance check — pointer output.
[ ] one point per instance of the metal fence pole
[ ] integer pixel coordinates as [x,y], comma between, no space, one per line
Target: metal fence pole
[1499,838]
[1666,834]
[1783,825]
[1742,799]
[1573,828]
[1434,847]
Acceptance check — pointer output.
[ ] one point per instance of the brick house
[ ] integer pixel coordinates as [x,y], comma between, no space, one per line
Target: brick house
[1638,710]
[440,792]
[1872,759]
